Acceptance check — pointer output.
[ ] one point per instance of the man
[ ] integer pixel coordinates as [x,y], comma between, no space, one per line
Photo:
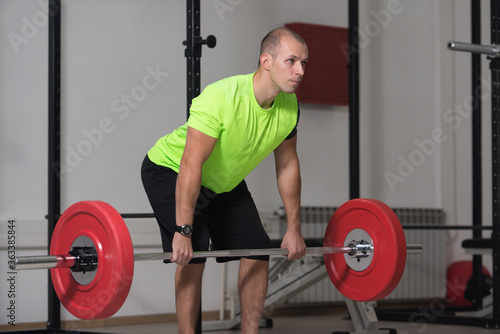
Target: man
[194,177]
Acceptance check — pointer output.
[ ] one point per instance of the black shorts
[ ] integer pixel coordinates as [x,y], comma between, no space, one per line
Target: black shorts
[230,220]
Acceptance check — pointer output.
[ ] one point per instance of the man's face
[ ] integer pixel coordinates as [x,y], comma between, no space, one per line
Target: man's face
[287,70]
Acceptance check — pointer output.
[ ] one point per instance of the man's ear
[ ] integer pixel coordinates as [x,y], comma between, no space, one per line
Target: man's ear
[265,61]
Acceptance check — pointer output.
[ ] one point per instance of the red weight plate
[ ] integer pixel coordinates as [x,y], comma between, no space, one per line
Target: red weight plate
[106,293]
[389,256]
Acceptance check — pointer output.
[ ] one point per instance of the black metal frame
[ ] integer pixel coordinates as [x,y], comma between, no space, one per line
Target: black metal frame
[54,146]
[353,40]
[193,54]
[193,51]
[448,316]
[477,189]
[194,44]
[495,157]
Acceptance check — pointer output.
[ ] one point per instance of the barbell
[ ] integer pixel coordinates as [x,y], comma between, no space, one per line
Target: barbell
[92,259]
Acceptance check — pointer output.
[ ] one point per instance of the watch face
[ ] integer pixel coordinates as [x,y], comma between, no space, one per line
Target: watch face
[187,230]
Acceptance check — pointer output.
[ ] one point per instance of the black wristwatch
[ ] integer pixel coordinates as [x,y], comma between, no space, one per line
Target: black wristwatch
[186,230]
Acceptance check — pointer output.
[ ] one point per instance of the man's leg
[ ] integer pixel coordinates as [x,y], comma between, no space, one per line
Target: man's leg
[187,296]
[252,284]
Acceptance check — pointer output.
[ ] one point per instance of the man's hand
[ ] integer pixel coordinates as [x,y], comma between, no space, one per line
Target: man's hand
[182,249]
[294,242]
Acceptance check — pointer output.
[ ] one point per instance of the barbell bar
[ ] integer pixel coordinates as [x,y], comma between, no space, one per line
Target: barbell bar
[68,261]
[92,260]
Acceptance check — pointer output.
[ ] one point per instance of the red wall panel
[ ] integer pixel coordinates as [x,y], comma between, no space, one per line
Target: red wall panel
[326,77]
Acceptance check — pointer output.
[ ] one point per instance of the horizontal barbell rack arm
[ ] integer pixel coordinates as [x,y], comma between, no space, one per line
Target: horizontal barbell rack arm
[490,50]
[447,227]
[68,261]
[414,249]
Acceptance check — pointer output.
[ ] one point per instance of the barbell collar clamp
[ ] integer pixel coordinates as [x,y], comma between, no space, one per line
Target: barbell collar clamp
[85,259]
[360,249]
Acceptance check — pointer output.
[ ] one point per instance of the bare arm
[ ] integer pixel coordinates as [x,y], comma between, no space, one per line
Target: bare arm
[198,148]
[289,186]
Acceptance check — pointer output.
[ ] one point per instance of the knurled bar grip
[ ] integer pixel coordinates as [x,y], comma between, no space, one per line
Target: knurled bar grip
[67,261]
[244,252]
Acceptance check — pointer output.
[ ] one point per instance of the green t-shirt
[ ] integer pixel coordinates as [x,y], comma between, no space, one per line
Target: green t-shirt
[246,133]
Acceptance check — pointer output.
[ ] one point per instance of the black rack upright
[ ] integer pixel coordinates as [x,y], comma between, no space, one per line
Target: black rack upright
[353,40]
[495,158]
[54,145]
[477,189]
[194,43]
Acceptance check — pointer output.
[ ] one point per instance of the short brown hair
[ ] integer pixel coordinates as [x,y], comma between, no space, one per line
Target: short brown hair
[271,41]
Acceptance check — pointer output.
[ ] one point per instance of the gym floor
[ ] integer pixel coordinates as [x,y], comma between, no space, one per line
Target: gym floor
[316,324]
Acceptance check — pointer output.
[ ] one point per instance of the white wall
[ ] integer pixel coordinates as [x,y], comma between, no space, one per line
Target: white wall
[408,81]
